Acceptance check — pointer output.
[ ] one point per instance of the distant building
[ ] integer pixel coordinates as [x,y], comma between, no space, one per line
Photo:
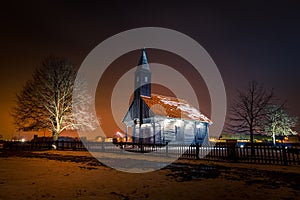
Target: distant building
[153,118]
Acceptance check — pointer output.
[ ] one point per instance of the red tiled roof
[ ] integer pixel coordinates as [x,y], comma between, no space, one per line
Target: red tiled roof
[173,107]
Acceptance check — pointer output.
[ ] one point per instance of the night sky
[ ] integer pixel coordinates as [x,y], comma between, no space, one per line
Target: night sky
[248,40]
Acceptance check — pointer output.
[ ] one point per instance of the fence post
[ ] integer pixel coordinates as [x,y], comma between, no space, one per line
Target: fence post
[167,149]
[142,147]
[197,150]
[48,145]
[231,149]
[102,145]
[284,155]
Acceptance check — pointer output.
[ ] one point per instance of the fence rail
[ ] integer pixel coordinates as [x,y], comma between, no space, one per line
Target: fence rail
[263,153]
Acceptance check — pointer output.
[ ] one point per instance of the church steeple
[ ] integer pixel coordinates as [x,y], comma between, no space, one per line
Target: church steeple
[142,83]
[143,63]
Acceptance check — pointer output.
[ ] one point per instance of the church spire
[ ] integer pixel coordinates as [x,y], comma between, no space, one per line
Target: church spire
[142,83]
[143,63]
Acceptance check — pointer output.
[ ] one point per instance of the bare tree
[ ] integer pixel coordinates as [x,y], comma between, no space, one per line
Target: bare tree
[248,109]
[45,102]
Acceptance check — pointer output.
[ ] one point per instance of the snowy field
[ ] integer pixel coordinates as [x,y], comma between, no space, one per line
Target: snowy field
[77,175]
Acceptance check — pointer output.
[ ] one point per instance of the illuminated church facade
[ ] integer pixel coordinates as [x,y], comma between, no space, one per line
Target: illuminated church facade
[157,119]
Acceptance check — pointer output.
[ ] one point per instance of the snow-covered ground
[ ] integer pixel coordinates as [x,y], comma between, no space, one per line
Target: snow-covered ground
[77,175]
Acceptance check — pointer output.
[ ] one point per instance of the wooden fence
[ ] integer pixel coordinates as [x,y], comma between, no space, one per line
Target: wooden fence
[263,153]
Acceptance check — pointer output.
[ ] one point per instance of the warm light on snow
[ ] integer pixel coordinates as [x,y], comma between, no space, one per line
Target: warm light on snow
[119,134]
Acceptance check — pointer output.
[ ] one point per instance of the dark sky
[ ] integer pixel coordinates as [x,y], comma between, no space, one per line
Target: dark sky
[248,40]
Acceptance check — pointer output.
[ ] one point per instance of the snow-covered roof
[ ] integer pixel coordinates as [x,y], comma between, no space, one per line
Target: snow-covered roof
[174,108]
